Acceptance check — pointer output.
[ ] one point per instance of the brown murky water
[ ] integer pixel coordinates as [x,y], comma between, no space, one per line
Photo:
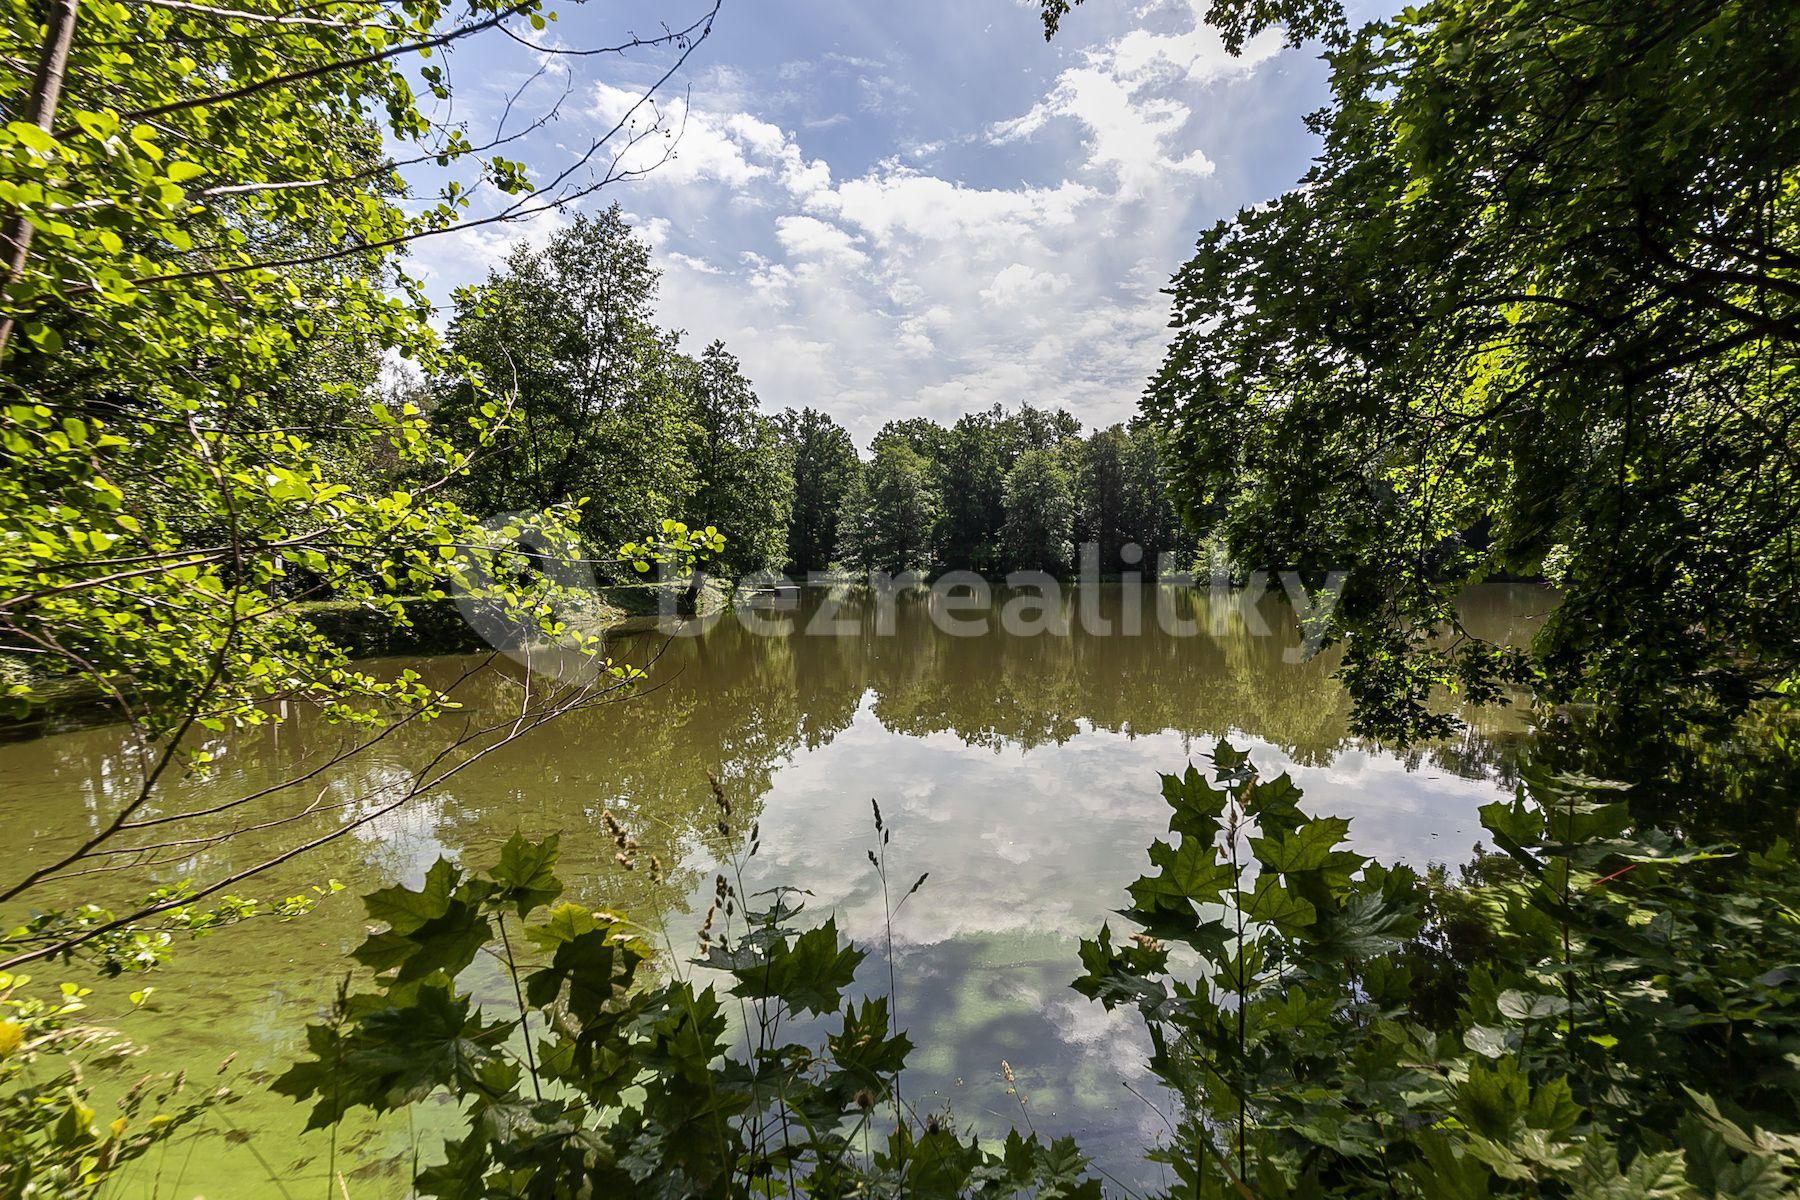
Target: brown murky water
[1021,772]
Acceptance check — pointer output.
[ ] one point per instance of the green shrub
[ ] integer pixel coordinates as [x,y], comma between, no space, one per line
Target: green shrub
[602,1081]
[1626,1018]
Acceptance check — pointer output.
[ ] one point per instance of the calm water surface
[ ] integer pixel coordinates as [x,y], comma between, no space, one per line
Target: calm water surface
[1021,772]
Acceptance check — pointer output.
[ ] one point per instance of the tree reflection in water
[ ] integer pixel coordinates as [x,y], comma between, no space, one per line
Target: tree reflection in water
[1020,771]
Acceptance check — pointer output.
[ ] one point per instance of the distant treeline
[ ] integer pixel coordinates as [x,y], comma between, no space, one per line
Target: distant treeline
[994,492]
[607,405]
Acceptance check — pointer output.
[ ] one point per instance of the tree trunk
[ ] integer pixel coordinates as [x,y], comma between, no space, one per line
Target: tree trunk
[46,94]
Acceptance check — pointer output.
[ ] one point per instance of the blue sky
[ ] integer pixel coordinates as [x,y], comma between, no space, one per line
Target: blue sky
[914,207]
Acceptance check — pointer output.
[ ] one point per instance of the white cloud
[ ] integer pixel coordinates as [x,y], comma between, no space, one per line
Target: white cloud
[1018,283]
[895,202]
[487,246]
[1120,97]
[655,230]
[681,146]
[899,291]
[1127,134]
[765,139]
[810,238]
[902,284]
[1195,54]
[694,264]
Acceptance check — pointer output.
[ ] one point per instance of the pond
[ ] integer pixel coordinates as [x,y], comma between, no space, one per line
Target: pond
[1021,772]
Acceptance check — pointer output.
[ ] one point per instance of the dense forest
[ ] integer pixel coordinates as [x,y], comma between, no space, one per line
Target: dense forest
[607,407]
[1533,312]
[999,492]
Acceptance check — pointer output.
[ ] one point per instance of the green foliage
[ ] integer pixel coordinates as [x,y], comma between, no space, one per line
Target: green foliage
[201,282]
[195,451]
[972,462]
[1121,499]
[889,511]
[193,447]
[54,1140]
[742,464]
[607,409]
[1625,1025]
[609,1079]
[112,946]
[599,403]
[972,467]
[1102,488]
[825,465]
[1040,514]
[1239,20]
[923,436]
[1107,489]
[186,294]
[1035,428]
[1533,312]
[210,199]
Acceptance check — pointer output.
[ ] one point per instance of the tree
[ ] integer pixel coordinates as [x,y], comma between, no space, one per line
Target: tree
[825,466]
[1239,20]
[922,436]
[972,459]
[1147,510]
[976,455]
[602,406]
[1040,514]
[203,224]
[202,207]
[1101,488]
[609,411]
[889,512]
[1533,312]
[1043,428]
[743,467]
